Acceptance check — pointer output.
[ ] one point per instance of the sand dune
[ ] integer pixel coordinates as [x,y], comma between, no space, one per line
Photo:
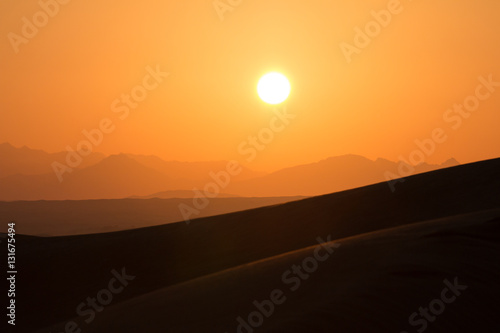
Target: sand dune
[371,283]
[160,257]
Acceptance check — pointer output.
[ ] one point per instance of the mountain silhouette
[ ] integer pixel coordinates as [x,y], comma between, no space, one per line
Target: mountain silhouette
[27,174]
[329,175]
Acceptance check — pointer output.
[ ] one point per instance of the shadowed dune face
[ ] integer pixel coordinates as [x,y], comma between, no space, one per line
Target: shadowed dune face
[166,255]
[369,283]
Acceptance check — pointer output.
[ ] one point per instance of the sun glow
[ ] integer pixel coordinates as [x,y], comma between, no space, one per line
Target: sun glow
[273,88]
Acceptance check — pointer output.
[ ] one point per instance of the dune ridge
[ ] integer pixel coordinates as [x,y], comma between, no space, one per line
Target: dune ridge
[166,255]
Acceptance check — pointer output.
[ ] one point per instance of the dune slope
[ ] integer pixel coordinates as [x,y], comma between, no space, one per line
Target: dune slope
[61,272]
[370,283]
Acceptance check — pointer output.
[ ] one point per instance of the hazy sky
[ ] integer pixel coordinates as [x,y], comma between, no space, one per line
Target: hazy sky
[67,76]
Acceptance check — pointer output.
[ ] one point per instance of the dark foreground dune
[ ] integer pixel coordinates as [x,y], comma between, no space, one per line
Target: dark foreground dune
[371,283]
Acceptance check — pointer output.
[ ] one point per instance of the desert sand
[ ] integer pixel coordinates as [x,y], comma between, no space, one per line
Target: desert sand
[391,254]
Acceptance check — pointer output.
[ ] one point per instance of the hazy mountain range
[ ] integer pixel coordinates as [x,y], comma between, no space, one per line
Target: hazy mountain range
[27,174]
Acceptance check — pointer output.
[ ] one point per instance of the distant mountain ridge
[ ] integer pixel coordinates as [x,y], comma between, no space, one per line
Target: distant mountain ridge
[329,175]
[27,174]
[27,161]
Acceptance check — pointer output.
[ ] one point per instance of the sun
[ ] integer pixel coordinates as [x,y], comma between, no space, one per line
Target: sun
[273,88]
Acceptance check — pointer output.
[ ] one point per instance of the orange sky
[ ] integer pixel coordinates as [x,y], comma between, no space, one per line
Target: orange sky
[67,76]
